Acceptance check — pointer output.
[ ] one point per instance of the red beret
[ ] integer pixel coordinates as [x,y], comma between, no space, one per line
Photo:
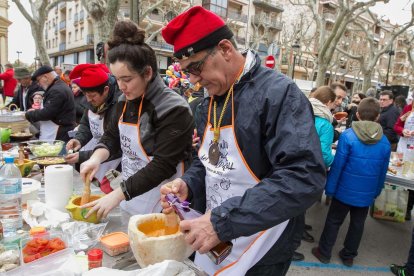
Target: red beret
[195,30]
[91,75]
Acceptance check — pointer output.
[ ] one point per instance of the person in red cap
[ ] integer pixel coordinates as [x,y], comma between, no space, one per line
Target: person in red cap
[153,127]
[259,165]
[102,93]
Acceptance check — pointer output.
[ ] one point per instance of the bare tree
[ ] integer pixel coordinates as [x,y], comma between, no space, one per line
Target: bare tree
[37,17]
[163,11]
[368,60]
[104,14]
[346,12]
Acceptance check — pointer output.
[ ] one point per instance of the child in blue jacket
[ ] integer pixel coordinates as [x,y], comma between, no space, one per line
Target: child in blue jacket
[356,178]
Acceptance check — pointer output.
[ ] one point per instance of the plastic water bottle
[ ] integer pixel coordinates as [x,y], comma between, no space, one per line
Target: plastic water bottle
[10,198]
[408,161]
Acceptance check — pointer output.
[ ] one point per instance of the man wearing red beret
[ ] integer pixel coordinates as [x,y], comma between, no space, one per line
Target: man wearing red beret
[102,93]
[259,165]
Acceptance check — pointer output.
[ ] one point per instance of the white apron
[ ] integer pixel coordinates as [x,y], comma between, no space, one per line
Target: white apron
[405,142]
[134,158]
[48,130]
[232,177]
[96,123]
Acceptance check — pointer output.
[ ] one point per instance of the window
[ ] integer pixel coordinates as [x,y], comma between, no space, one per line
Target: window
[76,35]
[70,14]
[69,37]
[219,7]
[81,33]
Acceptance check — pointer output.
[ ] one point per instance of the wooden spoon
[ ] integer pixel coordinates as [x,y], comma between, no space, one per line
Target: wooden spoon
[171,223]
[86,190]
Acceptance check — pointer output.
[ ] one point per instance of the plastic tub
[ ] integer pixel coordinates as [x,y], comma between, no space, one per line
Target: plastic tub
[115,243]
[41,245]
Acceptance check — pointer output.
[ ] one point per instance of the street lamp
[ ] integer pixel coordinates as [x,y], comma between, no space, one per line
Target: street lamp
[390,52]
[295,48]
[18,55]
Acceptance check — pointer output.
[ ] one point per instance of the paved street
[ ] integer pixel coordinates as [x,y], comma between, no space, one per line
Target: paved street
[383,243]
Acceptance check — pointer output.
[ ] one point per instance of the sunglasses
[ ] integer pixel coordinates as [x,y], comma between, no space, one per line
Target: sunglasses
[195,68]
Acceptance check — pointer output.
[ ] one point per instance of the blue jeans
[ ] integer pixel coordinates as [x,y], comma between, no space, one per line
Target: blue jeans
[336,216]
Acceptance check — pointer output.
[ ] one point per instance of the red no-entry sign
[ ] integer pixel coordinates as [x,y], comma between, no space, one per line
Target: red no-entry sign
[270,62]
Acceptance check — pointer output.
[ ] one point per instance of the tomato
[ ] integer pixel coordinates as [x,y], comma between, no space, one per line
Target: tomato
[41,241]
[30,250]
[56,243]
[29,258]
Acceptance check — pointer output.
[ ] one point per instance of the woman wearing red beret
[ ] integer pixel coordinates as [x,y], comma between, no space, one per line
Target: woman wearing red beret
[153,127]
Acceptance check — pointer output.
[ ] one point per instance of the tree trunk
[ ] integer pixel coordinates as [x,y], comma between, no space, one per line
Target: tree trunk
[40,44]
[367,81]
[322,68]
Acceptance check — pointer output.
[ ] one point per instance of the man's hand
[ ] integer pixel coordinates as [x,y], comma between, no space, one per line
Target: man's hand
[73,145]
[199,233]
[177,187]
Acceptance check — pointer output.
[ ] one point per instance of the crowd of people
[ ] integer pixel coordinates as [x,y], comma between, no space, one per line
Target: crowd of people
[240,141]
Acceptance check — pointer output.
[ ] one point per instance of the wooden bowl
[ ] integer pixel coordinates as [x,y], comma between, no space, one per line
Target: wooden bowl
[340,115]
[21,136]
[49,160]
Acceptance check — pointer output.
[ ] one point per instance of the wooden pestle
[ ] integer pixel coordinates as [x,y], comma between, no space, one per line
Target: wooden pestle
[21,155]
[86,190]
[171,223]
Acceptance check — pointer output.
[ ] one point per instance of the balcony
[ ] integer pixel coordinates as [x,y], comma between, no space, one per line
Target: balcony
[76,19]
[81,16]
[237,16]
[156,17]
[332,3]
[89,39]
[264,20]
[377,37]
[161,45]
[62,25]
[62,6]
[62,46]
[240,40]
[329,16]
[269,5]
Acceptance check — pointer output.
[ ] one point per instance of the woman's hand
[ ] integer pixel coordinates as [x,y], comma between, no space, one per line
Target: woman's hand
[105,204]
[72,158]
[73,145]
[406,133]
[91,166]
[177,187]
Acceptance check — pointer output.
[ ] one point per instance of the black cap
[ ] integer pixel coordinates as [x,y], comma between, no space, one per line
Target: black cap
[41,71]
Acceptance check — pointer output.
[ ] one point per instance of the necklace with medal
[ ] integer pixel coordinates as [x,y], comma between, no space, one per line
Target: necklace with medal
[214,150]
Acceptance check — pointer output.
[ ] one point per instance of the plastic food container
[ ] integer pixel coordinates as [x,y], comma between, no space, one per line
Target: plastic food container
[115,243]
[40,245]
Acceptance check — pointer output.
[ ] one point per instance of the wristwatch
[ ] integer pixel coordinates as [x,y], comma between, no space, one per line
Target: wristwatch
[124,191]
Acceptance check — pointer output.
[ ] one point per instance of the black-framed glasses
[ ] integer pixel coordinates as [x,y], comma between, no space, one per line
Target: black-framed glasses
[195,68]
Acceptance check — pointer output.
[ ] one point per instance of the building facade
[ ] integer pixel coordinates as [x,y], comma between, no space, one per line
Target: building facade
[4,25]
[267,26]
[69,34]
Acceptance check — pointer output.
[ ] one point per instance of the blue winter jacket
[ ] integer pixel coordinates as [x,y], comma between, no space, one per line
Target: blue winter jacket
[358,172]
[325,132]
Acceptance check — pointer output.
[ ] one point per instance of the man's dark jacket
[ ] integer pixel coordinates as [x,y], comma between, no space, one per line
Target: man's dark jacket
[58,107]
[18,97]
[388,118]
[275,131]
[107,113]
